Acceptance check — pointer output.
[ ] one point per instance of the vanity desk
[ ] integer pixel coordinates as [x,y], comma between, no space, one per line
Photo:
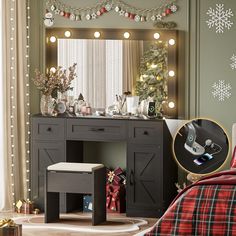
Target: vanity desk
[150,168]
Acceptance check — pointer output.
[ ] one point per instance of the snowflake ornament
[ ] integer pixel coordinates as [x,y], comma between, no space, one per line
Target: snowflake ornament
[221,90]
[219,18]
[233,64]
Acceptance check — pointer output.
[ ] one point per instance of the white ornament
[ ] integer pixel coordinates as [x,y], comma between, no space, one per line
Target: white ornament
[137,18]
[117,9]
[94,15]
[108,7]
[88,17]
[219,18]
[121,12]
[57,11]
[233,64]
[153,18]
[53,8]
[127,14]
[72,16]
[159,17]
[173,8]
[98,13]
[62,13]
[221,90]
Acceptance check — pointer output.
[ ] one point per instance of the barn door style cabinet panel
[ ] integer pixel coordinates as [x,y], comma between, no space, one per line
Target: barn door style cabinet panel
[151,169]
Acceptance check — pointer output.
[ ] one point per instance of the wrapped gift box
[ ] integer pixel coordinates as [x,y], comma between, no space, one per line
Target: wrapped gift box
[9,228]
[87,203]
[25,207]
[115,198]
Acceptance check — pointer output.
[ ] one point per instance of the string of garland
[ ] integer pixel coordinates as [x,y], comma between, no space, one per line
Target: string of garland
[166,8]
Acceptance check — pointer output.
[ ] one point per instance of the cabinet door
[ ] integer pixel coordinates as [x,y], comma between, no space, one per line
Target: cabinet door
[43,155]
[144,180]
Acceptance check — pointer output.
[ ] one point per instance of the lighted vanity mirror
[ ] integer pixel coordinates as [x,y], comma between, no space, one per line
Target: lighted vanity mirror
[111,62]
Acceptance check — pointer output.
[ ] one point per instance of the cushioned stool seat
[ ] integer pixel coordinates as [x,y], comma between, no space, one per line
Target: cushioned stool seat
[81,178]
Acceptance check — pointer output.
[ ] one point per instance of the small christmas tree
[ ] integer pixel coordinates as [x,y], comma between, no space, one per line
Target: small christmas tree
[153,74]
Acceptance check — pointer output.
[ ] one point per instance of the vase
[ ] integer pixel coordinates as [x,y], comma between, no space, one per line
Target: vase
[47,105]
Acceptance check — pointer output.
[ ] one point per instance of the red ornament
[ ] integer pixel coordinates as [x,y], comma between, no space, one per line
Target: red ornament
[103,10]
[67,15]
[131,16]
[168,11]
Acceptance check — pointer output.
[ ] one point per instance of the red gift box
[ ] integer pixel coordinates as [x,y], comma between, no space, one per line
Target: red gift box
[115,198]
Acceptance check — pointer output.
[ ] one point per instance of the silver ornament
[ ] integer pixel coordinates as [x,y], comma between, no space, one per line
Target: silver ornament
[117,9]
[72,16]
[121,12]
[173,8]
[53,8]
[94,15]
[88,17]
[153,18]
[57,11]
[77,17]
[137,18]
[108,7]
[143,18]
[159,17]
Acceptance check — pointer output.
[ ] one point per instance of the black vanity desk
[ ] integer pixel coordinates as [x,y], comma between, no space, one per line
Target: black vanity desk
[151,169]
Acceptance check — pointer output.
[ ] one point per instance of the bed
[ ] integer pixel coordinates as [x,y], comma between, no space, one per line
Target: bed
[207,207]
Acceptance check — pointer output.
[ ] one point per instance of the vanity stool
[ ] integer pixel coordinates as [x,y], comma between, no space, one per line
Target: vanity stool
[81,178]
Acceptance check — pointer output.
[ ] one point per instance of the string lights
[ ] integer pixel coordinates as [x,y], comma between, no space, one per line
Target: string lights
[166,7]
[13,92]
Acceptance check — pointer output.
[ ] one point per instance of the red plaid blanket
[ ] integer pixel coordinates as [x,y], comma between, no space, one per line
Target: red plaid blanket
[205,208]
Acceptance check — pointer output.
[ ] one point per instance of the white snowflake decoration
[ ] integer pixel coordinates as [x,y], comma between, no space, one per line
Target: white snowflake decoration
[221,90]
[219,18]
[233,64]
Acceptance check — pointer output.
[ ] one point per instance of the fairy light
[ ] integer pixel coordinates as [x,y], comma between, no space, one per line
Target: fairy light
[27,99]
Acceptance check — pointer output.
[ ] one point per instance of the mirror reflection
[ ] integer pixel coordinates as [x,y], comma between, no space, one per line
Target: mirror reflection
[106,68]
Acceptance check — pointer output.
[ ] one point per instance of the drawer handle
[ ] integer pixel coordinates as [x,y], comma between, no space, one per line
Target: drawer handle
[131,178]
[145,132]
[97,129]
[49,129]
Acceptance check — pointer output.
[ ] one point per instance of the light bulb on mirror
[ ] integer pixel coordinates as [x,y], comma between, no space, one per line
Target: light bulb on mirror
[67,34]
[156,36]
[126,35]
[97,34]
[171,73]
[172,42]
[53,39]
[171,105]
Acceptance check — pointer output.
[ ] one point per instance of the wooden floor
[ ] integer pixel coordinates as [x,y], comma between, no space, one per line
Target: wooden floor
[26,220]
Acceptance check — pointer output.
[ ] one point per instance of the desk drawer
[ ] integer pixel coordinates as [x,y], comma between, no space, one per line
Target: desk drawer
[96,130]
[145,132]
[48,128]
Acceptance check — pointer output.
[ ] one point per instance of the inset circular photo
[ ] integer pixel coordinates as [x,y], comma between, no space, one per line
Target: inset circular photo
[201,146]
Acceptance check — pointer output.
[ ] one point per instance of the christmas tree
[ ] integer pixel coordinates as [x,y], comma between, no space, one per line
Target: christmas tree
[153,74]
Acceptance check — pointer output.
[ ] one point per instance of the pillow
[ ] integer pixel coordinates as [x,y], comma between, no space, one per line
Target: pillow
[233,160]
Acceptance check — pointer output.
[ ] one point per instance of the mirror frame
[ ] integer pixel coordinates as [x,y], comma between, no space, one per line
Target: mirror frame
[135,34]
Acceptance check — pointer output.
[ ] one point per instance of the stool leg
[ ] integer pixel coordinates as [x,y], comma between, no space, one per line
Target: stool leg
[99,196]
[51,207]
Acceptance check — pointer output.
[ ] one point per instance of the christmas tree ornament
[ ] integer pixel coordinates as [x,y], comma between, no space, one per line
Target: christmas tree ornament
[67,15]
[77,17]
[94,15]
[168,11]
[88,17]
[117,9]
[173,8]
[72,16]
[127,14]
[62,13]
[137,18]
[121,12]
[103,10]
[53,8]
[159,17]
[153,18]
[98,13]
[108,7]
[143,18]
[163,14]
[131,16]
[57,11]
